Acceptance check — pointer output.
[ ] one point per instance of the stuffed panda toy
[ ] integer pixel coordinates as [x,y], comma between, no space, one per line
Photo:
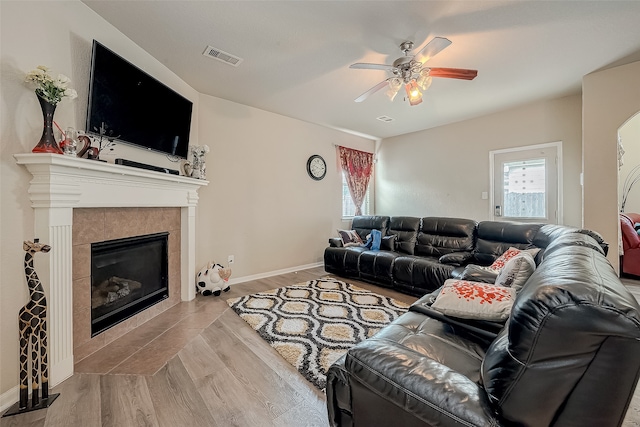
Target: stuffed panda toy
[213,279]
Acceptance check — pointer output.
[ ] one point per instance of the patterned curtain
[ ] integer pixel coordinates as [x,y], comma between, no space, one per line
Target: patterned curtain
[357,167]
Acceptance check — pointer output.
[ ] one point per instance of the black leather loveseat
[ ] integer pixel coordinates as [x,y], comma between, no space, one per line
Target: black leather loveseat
[568,355]
[418,254]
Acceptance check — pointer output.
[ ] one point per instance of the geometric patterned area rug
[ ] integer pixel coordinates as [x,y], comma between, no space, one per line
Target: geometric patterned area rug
[312,324]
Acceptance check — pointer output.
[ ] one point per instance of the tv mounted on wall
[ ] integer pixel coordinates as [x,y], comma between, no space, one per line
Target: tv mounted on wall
[134,107]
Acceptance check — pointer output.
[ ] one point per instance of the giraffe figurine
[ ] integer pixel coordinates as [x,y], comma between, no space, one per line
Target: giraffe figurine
[32,322]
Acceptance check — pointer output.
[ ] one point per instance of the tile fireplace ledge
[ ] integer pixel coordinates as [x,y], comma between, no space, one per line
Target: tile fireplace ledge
[62,183]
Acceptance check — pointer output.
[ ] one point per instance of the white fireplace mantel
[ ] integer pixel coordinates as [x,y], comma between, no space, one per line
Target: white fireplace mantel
[62,183]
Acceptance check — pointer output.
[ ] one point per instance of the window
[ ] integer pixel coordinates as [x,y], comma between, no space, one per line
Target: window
[525,189]
[526,183]
[348,208]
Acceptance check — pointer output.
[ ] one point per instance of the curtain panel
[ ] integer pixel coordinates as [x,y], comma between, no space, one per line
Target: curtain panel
[357,167]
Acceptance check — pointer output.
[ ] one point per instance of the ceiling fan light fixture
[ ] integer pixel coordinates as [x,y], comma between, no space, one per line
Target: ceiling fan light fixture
[394,86]
[413,93]
[424,81]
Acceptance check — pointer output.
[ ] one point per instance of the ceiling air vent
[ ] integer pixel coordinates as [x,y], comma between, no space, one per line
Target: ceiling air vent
[385,119]
[221,55]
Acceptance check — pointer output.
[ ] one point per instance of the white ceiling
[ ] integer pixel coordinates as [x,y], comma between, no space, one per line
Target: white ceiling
[297,53]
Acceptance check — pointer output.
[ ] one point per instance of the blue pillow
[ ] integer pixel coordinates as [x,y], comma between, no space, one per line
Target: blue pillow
[374,239]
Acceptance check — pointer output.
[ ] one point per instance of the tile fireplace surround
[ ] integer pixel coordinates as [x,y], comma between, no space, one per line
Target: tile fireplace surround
[62,184]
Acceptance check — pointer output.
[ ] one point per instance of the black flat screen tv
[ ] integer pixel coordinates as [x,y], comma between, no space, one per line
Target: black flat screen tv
[134,107]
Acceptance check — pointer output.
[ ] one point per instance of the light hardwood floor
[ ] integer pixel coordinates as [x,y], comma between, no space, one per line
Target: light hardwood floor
[199,364]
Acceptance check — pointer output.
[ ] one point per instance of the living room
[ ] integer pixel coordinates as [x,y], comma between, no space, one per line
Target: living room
[259,193]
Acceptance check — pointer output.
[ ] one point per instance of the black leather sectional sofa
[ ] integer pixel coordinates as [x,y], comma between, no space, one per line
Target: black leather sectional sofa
[419,254]
[568,355]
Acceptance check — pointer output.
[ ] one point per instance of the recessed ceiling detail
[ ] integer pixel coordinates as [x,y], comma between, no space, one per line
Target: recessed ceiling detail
[221,55]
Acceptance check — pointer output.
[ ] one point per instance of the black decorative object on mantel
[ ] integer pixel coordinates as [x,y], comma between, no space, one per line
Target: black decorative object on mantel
[32,321]
[94,152]
[47,143]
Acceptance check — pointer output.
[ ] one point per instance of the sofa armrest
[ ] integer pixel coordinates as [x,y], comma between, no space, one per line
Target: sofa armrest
[474,273]
[483,330]
[456,258]
[338,395]
[335,242]
[383,371]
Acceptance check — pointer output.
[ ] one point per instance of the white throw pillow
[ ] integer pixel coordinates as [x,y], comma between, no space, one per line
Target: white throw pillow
[474,300]
[516,271]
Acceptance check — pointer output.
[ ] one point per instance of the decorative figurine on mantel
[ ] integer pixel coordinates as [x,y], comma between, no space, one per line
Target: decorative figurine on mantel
[32,321]
[196,168]
[50,91]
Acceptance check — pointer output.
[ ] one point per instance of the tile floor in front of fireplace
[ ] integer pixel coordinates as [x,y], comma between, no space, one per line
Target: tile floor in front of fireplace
[146,349]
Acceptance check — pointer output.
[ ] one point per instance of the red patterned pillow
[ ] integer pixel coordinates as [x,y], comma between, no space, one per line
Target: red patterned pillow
[499,263]
[474,300]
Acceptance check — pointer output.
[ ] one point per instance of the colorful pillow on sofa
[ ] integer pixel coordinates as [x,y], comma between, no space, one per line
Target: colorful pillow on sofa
[350,238]
[474,300]
[499,263]
[516,271]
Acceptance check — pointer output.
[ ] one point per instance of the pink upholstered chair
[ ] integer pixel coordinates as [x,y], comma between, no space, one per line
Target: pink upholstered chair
[630,244]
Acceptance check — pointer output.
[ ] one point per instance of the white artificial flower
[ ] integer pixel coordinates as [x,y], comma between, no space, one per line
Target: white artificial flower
[63,80]
[70,93]
[49,89]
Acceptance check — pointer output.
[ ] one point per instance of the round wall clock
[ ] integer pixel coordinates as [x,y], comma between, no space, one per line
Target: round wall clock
[316,167]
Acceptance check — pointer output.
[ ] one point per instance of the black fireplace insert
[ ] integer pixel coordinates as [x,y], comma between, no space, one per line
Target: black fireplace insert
[127,276]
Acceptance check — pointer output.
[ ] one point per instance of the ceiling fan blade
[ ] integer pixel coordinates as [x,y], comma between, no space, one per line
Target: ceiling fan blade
[435,46]
[372,90]
[453,73]
[366,66]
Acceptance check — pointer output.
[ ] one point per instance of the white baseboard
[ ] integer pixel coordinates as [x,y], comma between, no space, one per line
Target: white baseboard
[8,398]
[243,279]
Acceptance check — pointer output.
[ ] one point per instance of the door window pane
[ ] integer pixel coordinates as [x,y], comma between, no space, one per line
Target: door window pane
[524,189]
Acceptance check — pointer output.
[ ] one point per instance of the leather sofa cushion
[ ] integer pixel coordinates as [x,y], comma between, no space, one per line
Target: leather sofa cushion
[378,265]
[550,232]
[343,260]
[406,228]
[439,236]
[424,273]
[495,237]
[364,224]
[438,341]
[408,362]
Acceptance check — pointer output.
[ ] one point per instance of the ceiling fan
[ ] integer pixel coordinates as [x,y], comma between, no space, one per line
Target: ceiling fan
[409,70]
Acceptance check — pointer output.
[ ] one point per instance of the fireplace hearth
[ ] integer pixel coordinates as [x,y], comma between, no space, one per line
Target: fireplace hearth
[127,276]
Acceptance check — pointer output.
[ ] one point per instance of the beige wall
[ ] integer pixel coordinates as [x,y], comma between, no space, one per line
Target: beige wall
[630,137]
[261,205]
[443,171]
[610,98]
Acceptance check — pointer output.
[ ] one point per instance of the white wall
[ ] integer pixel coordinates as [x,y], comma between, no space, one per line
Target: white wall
[630,137]
[443,171]
[609,98]
[261,206]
